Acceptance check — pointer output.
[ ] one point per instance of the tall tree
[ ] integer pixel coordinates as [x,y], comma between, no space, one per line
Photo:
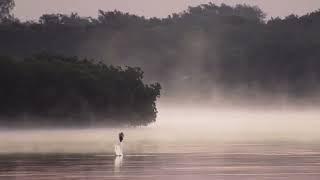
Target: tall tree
[6,7]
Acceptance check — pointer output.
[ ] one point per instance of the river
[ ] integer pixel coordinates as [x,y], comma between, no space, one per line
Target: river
[184,144]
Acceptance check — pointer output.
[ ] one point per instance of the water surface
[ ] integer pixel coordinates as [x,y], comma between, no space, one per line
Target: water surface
[223,162]
[185,143]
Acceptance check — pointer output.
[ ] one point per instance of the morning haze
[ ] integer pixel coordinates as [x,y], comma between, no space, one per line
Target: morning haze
[239,89]
[25,9]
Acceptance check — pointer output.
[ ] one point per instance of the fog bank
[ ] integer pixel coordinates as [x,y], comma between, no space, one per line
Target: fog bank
[176,127]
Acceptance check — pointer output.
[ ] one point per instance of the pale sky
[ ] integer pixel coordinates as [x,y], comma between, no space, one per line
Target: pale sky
[32,9]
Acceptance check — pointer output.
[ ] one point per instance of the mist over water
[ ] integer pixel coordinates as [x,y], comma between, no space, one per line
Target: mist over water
[178,126]
[188,141]
[239,95]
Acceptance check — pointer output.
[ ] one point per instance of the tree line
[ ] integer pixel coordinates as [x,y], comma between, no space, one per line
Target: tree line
[67,91]
[232,48]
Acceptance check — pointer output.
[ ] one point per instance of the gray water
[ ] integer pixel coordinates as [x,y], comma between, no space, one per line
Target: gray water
[185,143]
[221,162]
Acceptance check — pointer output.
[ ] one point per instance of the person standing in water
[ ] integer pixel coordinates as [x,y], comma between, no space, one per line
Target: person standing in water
[118,147]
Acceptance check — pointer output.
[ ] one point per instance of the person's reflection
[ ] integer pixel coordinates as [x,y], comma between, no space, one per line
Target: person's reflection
[118,163]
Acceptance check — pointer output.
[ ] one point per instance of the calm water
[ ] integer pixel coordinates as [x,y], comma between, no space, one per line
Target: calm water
[185,143]
[222,162]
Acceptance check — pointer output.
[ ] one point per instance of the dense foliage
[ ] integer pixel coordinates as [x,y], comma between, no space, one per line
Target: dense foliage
[54,90]
[5,8]
[204,49]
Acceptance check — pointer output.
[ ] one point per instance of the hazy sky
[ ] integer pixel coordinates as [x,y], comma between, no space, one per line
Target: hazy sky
[32,9]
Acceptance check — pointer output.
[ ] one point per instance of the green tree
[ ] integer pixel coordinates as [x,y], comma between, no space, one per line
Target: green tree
[6,7]
[195,51]
[63,91]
